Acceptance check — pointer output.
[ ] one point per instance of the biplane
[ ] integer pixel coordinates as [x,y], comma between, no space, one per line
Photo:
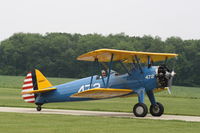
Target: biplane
[140,78]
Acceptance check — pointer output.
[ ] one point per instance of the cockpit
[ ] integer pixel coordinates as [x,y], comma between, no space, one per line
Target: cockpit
[104,74]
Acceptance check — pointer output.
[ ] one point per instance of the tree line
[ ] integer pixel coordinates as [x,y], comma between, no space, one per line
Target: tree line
[55,53]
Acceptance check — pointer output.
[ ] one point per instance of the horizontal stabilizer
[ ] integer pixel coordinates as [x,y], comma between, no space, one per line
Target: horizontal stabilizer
[98,93]
[38,91]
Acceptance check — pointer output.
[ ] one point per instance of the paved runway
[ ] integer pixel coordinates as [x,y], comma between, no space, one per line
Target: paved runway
[97,113]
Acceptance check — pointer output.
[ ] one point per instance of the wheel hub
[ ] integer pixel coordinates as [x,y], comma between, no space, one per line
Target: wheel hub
[139,110]
[156,109]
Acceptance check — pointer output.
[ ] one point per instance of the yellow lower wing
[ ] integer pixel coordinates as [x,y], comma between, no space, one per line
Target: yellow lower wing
[155,90]
[38,91]
[102,93]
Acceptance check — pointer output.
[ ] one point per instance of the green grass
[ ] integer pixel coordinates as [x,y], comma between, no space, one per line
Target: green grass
[183,101]
[180,106]
[17,81]
[182,92]
[43,123]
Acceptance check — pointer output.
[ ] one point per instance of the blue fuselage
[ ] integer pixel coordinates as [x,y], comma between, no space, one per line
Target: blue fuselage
[144,78]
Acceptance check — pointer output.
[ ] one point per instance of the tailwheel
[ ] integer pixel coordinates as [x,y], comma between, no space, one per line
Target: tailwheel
[39,108]
[140,110]
[157,110]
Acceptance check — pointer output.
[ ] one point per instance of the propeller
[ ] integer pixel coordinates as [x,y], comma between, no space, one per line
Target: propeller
[165,76]
[172,76]
[169,88]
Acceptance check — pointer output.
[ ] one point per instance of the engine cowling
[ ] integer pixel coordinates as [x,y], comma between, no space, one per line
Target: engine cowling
[164,75]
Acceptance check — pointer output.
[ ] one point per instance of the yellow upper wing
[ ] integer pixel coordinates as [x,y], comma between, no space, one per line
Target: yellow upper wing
[104,55]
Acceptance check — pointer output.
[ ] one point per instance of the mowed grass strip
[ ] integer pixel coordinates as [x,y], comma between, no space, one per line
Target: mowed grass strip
[183,101]
[182,92]
[17,81]
[43,123]
[181,106]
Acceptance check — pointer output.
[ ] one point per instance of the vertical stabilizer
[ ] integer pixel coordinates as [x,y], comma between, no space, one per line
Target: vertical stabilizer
[42,82]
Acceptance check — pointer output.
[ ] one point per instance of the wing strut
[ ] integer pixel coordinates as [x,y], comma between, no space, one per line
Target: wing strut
[96,63]
[102,77]
[125,68]
[138,63]
[92,72]
[149,62]
[110,66]
[166,59]
[133,64]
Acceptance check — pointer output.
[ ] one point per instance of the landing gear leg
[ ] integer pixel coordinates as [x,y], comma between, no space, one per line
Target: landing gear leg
[156,108]
[39,108]
[39,102]
[140,109]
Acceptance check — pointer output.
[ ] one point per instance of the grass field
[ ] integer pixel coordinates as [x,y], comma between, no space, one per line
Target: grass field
[17,81]
[183,101]
[42,123]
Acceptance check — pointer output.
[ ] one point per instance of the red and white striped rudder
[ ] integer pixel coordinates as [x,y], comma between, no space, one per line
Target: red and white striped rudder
[28,86]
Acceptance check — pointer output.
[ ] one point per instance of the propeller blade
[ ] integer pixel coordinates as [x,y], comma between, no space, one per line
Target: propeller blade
[170,82]
[169,90]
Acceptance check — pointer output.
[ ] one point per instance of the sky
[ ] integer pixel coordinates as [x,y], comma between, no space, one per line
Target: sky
[163,18]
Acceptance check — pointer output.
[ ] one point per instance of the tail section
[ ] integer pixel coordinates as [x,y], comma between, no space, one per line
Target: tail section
[41,81]
[28,86]
[35,82]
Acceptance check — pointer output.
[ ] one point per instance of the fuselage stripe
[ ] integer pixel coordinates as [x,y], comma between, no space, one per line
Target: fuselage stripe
[29,97]
[29,74]
[25,90]
[28,77]
[29,87]
[31,102]
[27,80]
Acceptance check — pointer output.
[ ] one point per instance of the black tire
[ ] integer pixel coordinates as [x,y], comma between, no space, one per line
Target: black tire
[140,110]
[156,110]
[39,108]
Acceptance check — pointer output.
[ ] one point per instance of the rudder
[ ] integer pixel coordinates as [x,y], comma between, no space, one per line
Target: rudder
[34,80]
[28,86]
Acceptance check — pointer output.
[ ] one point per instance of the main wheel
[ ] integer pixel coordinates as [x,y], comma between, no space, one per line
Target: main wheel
[157,110]
[39,108]
[140,110]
